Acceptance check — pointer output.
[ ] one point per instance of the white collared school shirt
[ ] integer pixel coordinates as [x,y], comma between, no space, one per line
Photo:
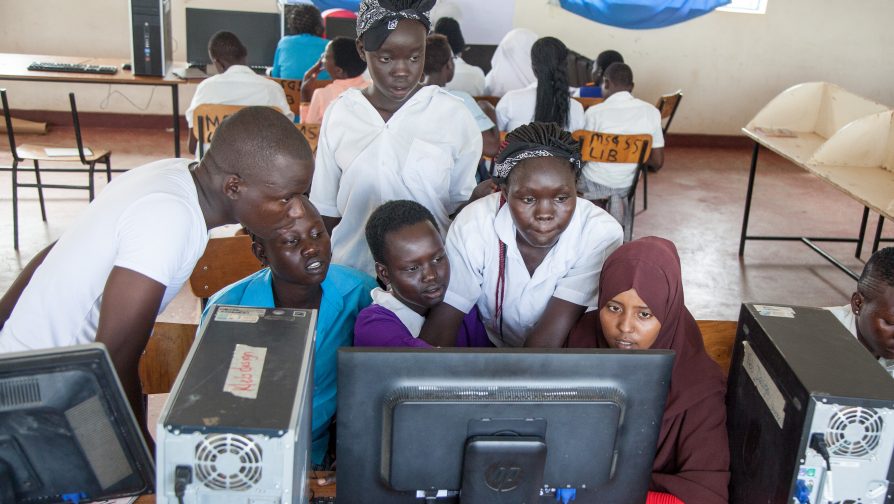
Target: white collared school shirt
[621,114]
[467,78]
[239,85]
[428,152]
[570,270]
[516,108]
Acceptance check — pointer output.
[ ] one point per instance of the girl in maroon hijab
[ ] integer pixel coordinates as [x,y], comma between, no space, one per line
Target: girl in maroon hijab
[640,307]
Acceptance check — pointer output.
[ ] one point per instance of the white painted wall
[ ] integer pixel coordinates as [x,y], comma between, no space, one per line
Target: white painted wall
[728,65]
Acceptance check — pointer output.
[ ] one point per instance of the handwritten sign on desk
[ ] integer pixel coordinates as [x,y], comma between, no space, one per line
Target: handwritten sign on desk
[610,148]
[246,368]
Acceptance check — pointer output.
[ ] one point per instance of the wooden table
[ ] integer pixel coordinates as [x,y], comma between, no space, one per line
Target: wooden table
[873,187]
[15,67]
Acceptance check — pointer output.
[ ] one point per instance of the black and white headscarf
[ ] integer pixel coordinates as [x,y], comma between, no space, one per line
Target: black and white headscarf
[376,19]
[513,154]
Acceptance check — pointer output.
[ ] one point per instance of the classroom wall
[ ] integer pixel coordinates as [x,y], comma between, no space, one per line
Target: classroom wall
[728,65]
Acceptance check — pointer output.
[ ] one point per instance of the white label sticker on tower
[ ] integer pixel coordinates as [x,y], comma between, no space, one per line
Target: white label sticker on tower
[238,314]
[775,311]
[768,390]
[244,375]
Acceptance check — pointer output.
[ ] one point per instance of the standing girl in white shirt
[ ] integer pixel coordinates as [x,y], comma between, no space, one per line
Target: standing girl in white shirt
[548,99]
[394,139]
[529,256]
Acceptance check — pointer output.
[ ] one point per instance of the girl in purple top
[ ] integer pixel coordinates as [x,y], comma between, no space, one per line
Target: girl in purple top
[411,262]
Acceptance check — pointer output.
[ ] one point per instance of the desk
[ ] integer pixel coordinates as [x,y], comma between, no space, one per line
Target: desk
[844,144]
[15,67]
[318,491]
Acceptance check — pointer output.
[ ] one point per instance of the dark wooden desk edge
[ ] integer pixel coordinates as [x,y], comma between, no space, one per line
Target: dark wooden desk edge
[317,491]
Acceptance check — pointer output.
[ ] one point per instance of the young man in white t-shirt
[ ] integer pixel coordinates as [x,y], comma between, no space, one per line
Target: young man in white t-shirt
[619,114]
[129,253]
[870,314]
[235,83]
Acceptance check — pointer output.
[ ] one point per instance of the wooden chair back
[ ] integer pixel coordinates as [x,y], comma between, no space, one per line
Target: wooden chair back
[292,89]
[667,105]
[225,260]
[719,337]
[610,148]
[588,102]
[311,132]
[207,118]
[164,354]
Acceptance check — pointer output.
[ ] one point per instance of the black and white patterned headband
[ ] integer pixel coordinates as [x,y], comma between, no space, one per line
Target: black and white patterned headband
[508,158]
[376,19]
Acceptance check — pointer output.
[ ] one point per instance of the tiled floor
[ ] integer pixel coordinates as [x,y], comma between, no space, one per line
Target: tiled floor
[696,200]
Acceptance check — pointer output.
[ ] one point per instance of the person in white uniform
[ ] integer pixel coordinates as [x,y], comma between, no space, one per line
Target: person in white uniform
[129,253]
[548,99]
[620,114]
[235,83]
[466,78]
[510,66]
[439,68]
[395,139]
[870,314]
[530,256]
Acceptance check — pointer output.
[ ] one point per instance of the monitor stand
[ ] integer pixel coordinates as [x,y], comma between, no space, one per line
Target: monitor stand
[502,469]
[7,484]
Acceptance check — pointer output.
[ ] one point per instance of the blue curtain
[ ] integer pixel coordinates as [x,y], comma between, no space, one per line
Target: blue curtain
[351,5]
[641,14]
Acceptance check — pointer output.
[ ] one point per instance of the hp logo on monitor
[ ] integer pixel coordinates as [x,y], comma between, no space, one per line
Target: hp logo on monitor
[503,477]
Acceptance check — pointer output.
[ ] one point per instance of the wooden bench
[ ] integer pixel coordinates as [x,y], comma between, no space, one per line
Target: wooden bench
[719,337]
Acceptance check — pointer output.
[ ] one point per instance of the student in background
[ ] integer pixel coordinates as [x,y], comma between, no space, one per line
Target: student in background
[439,69]
[623,114]
[412,263]
[548,99]
[235,83]
[603,61]
[467,78]
[528,257]
[641,307]
[295,54]
[511,63]
[137,243]
[299,274]
[395,139]
[870,314]
[344,64]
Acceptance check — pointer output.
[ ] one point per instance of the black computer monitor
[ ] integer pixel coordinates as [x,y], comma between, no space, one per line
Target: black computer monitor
[498,426]
[258,31]
[66,429]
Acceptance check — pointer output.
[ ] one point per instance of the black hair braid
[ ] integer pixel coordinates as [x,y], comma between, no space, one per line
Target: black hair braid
[549,58]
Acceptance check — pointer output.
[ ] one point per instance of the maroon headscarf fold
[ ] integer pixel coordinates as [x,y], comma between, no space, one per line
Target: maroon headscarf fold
[651,266]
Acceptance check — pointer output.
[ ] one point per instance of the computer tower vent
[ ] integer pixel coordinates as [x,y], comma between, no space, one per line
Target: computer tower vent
[854,432]
[228,462]
[19,392]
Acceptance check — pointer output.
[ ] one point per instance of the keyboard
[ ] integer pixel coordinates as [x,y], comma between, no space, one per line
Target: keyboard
[259,69]
[49,66]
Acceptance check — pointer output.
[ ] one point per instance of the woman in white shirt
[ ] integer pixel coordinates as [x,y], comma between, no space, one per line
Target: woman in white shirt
[530,256]
[511,63]
[394,139]
[548,99]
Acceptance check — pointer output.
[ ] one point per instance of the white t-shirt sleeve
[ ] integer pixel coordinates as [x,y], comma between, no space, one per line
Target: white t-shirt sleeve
[602,235]
[462,175]
[327,173]
[197,99]
[503,114]
[465,251]
[279,99]
[156,237]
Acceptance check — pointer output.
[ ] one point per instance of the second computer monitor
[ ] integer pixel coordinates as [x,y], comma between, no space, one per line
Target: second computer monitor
[258,31]
[498,425]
